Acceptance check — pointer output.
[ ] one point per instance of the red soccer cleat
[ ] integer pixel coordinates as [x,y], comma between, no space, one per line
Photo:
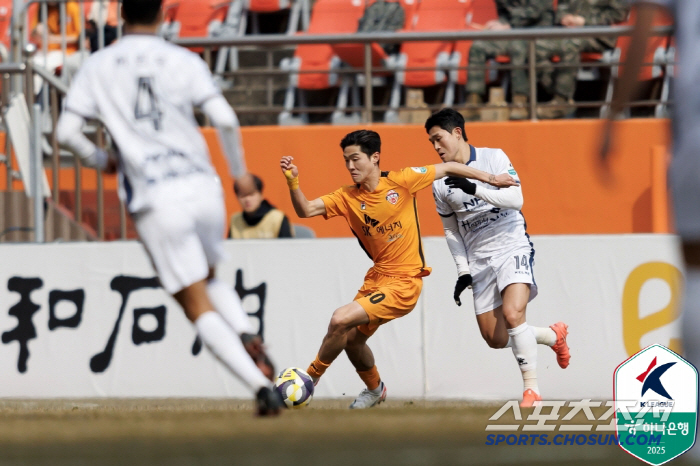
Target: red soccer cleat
[529,398]
[561,347]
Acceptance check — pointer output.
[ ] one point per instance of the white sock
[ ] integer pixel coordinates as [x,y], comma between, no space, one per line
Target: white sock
[525,352]
[228,304]
[227,346]
[543,335]
[530,381]
[378,390]
[691,327]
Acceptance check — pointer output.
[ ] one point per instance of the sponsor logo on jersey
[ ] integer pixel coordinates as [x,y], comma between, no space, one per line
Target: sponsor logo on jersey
[392,196]
[370,221]
[511,171]
[419,169]
[363,206]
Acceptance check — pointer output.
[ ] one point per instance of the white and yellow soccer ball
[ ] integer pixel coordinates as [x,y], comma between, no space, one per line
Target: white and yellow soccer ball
[295,386]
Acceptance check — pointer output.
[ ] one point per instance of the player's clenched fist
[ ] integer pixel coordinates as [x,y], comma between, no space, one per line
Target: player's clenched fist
[291,172]
[288,168]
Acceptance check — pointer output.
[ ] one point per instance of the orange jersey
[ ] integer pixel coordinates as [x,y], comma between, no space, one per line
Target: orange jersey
[385,221]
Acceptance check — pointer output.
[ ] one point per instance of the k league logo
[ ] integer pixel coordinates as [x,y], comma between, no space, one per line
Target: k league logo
[652,379]
[664,389]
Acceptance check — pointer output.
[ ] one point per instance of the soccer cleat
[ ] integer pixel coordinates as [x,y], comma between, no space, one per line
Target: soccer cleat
[529,398]
[268,402]
[561,347]
[254,346]
[368,398]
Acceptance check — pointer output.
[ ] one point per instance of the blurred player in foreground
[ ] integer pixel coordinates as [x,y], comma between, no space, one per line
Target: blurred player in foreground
[684,173]
[380,208]
[485,232]
[143,89]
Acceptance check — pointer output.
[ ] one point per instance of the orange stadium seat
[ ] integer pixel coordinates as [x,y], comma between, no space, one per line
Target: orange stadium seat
[431,15]
[327,17]
[268,6]
[480,12]
[196,18]
[5,18]
[656,54]
[354,54]
[298,13]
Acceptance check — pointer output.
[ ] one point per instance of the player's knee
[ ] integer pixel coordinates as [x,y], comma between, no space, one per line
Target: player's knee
[513,314]
[339,324]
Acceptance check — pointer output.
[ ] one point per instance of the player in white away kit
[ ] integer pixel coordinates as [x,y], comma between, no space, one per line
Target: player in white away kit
[485,232]
[144,90]
[684,174]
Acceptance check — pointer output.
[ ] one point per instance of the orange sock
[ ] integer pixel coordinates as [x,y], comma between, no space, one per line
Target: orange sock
[370,378]
[317,368]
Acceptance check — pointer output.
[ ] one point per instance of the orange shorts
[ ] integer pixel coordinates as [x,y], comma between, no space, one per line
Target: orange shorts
[386,298]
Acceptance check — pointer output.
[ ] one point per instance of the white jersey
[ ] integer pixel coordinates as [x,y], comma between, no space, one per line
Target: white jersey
[144,90]
[486,230]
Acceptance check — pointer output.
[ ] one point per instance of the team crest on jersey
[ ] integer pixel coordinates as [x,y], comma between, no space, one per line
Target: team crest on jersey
[392,196]
[362,206]
[419,169]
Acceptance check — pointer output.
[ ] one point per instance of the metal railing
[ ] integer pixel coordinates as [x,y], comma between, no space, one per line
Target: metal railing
[531,35]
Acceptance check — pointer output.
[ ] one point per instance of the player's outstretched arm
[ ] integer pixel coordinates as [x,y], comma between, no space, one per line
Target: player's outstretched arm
[463,171]
[302,206]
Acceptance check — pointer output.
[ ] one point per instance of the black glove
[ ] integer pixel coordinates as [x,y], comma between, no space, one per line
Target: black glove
[463,282]
[461,183]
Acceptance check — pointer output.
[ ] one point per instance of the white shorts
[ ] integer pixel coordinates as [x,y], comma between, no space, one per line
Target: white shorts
[491,275]
[184,236]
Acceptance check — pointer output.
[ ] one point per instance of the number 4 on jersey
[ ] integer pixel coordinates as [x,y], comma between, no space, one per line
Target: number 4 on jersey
[147,104]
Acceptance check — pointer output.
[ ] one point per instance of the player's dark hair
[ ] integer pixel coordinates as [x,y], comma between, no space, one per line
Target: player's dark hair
[368,140]
[447,119]
[258,185]
[143,12]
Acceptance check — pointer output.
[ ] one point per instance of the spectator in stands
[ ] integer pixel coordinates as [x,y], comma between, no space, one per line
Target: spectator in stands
[259,218]
[511,14]
[54,57]
[383,16]
[575,14]
[106,13]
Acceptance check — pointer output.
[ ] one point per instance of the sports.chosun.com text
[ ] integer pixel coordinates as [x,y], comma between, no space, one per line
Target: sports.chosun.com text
[574,439]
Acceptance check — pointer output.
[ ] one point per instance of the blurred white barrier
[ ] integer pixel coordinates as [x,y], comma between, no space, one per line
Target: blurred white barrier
[84,319]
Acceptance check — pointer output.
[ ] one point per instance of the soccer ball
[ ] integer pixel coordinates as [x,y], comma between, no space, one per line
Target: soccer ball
[295,386]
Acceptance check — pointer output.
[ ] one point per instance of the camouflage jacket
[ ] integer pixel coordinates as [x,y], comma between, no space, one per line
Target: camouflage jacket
[526,13]
[382,16]
[596,13]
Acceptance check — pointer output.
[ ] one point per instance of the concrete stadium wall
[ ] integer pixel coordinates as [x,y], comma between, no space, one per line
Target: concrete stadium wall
[564,188]
[87,319]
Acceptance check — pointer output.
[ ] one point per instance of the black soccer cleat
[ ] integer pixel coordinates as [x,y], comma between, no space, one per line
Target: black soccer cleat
[268,402]
[253,344]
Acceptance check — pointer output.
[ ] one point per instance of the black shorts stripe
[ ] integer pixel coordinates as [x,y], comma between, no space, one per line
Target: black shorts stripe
[446,215]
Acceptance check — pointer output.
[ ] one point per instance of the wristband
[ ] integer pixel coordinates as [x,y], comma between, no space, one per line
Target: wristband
[292,182]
